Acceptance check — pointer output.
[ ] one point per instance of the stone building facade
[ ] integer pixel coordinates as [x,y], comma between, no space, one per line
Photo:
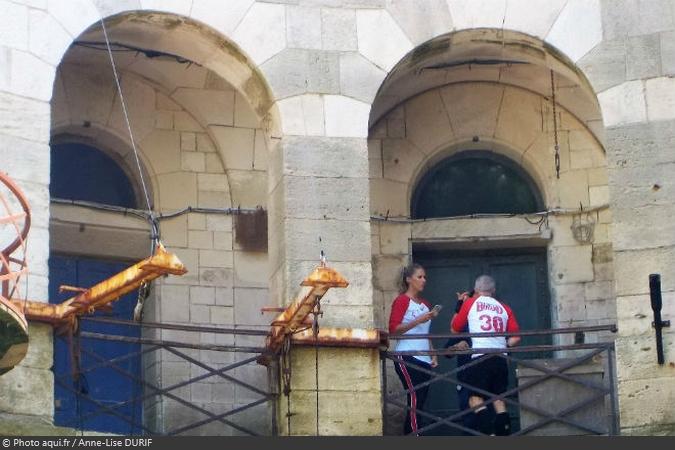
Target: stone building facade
[328,114]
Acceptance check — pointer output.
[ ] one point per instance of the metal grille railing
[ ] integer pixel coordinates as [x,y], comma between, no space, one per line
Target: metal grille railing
[233,395]
[563,389]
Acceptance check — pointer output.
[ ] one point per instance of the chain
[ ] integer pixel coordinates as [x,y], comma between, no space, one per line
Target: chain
[555,129]
[315,332]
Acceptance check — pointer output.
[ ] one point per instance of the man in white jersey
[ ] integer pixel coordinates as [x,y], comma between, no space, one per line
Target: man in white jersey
[482,313]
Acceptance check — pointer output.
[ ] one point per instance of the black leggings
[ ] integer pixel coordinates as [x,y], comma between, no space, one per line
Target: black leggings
[410,376]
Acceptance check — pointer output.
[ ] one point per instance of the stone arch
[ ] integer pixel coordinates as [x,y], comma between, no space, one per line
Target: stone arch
[486,89]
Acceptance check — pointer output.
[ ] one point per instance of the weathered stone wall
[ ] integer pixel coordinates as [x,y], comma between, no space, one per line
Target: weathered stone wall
[630,71]
[350,402]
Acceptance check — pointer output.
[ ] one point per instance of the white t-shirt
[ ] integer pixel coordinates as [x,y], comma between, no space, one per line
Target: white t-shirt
[406,310]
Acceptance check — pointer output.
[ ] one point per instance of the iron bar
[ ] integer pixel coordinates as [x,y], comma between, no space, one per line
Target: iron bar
[179,327]
[180,400]
[161,343]
[613,400]
[215,372]
[545,332]
[219,417]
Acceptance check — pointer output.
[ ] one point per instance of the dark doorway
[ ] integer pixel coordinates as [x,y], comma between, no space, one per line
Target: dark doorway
[103,385]
[522,283]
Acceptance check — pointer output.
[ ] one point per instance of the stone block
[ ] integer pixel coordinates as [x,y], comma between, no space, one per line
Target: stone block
[208,106]
[346,241]
[632,268]
[235,145]
[215,276]
[573,189]
[389,198]
[325,157]
[359,78]
[188,142]
[139,97]
[193,161]
[200,314]
[394,238]
[164,120]
[33,163]
[162,149]
[668,53]
[531,17]
[202,295]
[248,188]
[572,264]
[599,195]
[213,163]
[296,71]
[173,232]
[196,221]
[345,117]
[519,118]
[340,413]
[222,240]
[48,40]
[660,98]
[643,56]
[214,199]
[218,222]
[247,305]
[623,104]
[222,315]
[200,239]
[262,31]
[338,29]
[401,160]
[27,390]
[75,24]
[327,198]
[635,315]
[176,190]
[473,111]
[303,28]
[597,176]
[371,25]
[229,14]
[260,151]
[14,27]
[605,65]
[427,123]
[244,116]
[643,227]
[421,21]
[359,369]
[183,121]
[647,401]
[386,271]
[250,269]
[213,182]
[174,301]
[577,14]
[215,258]
[205,144]
[30,76]
[477,13]
[224,296]
[570,304]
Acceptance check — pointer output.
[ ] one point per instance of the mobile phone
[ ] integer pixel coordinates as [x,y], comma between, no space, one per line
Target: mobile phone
[437,308]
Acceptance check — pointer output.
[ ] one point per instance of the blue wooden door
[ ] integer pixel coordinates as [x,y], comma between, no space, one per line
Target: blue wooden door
[104,385]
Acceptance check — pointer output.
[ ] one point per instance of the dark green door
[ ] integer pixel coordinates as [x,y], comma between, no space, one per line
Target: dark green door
[522,283]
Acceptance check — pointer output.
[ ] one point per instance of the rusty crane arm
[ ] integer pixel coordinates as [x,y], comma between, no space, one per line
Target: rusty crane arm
[101,295]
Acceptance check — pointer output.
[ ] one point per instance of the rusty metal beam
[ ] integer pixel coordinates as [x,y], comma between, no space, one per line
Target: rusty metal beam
[104,293]
[339,337]
[295,315]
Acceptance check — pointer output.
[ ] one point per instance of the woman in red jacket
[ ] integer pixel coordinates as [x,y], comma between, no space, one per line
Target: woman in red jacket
[411,314]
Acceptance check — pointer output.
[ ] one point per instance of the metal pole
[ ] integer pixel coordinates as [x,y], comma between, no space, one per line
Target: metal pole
[614,407]
[657,303]
[384,394]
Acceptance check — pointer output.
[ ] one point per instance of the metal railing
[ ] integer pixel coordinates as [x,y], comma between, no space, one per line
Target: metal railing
[165,402]
[563,389]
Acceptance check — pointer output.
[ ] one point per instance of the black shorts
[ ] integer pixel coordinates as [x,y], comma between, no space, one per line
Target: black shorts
[490,374]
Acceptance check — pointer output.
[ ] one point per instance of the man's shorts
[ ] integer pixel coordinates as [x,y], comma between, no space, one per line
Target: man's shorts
[490,374]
